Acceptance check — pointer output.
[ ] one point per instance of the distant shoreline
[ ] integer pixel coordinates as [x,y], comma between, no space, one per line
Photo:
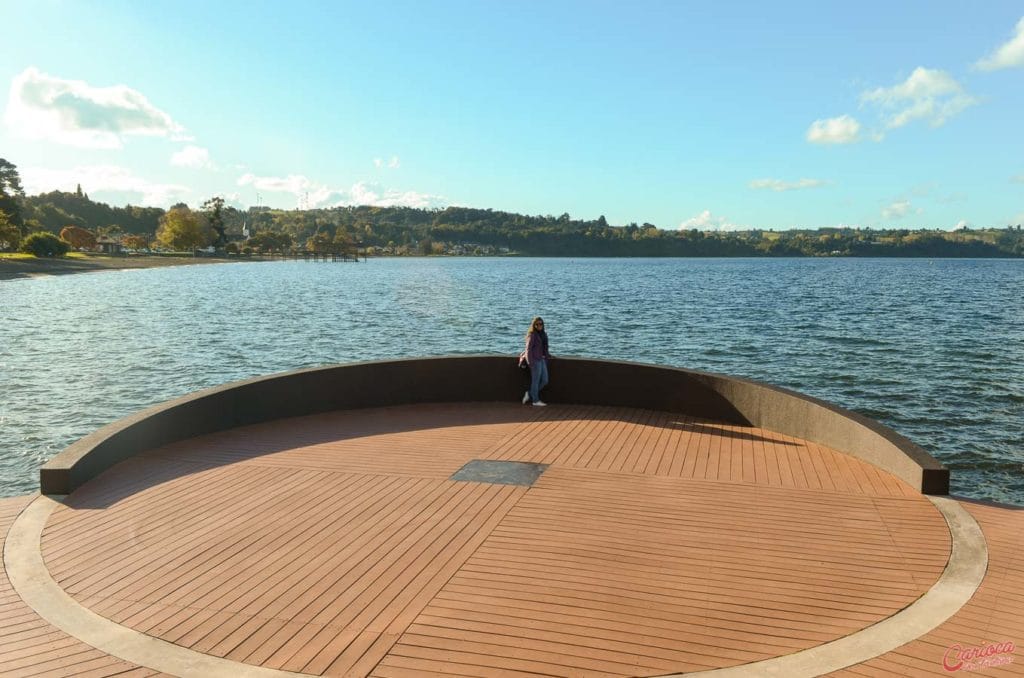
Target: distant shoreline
[14,269]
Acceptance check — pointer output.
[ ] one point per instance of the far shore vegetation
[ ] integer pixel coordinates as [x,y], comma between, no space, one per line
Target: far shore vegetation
[57,223]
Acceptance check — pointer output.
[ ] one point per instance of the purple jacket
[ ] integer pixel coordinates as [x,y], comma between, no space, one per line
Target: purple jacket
[537,346]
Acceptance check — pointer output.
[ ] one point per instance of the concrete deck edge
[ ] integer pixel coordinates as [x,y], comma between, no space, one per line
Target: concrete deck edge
[961,578]
[31,580]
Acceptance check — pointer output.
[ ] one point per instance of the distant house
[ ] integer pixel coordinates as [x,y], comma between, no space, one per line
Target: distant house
[109,245]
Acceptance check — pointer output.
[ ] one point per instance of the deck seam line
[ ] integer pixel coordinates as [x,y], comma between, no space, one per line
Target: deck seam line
[444,585]
[31,580]
[963,574]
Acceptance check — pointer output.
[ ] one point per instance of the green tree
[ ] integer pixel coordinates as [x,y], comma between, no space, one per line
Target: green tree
[270,241]
[320,243]
[110,231]
[11,194]
[214,208]
[10,235]
[44,244]
[181,229]
[57,209]
[343,242]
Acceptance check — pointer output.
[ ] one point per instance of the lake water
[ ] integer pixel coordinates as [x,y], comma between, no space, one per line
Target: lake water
[934,349]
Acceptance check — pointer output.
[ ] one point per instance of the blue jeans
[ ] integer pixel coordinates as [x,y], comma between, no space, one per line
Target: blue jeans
[538,378]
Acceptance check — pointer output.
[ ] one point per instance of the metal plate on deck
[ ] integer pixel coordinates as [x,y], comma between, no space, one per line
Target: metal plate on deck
[500,472]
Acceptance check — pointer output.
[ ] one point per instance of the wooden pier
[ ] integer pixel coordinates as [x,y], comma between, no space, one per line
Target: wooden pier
[330,256]
[305,255]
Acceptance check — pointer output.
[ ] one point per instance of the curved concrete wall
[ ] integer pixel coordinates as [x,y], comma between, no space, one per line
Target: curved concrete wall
[493,378]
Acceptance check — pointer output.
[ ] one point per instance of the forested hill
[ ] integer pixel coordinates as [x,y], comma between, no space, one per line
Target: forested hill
[53,211]
[405,230]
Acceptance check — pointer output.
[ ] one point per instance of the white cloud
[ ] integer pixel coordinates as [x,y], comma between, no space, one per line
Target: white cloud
[779,185]
[365,193]
[308,194]
[927,94]
[896,210]
[1019,179]
[293,183]
[923,190]
[192,156]
[1007,55]
[74,112]
[318,196]
[963,223]
[841,130]
[393,163]
[705,221]
[311,194]
[233,199]
[100,179]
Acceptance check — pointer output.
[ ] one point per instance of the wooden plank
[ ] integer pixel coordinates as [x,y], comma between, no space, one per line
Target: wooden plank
[653,543]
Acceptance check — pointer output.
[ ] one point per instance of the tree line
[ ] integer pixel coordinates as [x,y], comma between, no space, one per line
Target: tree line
[407,230]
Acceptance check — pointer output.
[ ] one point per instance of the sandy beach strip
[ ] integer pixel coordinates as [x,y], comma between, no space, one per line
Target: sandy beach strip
[11,269]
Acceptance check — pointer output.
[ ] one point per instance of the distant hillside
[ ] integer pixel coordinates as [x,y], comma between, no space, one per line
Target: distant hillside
[53,211]
[405,230]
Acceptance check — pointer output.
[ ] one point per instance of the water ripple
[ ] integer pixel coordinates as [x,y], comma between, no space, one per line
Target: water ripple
[933,349]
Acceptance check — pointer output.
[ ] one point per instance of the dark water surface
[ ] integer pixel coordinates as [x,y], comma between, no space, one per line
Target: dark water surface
[934,349]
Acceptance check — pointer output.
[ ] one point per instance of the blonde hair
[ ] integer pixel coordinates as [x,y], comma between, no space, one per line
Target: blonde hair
[533,326]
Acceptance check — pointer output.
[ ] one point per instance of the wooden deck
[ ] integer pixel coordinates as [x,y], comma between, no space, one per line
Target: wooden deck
[994,615]
[652,544]
[31,647]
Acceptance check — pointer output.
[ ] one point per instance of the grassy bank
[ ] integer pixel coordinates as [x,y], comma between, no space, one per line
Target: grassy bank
[14,266]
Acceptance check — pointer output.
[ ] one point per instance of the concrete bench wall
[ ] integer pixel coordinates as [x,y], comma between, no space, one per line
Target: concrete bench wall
[493,378]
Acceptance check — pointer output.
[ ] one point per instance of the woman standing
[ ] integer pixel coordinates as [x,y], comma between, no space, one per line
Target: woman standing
[537,357]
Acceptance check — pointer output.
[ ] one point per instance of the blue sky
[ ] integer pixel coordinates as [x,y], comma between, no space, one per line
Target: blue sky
[712,115]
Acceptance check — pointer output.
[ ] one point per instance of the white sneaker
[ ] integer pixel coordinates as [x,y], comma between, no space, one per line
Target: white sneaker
[526,397]
[540,404]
